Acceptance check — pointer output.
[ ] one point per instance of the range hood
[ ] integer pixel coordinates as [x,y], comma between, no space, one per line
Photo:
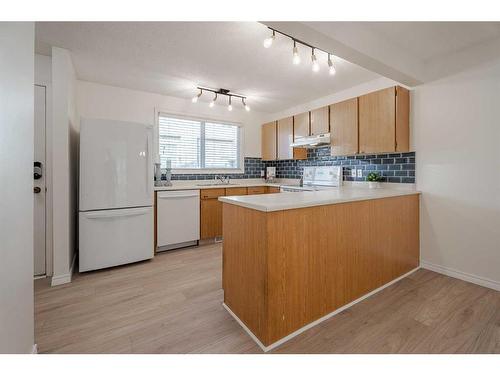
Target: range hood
[312,141]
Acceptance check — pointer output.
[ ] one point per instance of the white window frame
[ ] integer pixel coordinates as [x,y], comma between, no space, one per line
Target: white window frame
[240,146]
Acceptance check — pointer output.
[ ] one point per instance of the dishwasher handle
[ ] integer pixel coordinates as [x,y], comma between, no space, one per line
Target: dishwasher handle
[179,194]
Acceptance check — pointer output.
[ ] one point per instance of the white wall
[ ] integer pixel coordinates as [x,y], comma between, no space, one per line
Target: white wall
[457,135]
[108,102]
[65,151]
[16,187]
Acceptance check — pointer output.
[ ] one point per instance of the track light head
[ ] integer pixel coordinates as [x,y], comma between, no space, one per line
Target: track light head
[230,106]
[195,99]
[212,103]
[247,108]
[315,64]
[331,67]
[268,42]
[296,56]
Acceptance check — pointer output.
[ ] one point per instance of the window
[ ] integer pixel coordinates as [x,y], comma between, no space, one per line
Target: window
[194,144]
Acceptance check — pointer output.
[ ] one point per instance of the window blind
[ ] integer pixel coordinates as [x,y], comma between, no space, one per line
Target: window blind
[198,144]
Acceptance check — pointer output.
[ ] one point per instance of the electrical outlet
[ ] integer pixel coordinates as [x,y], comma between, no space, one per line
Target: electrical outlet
[262,173]
[353,172]
[360,173]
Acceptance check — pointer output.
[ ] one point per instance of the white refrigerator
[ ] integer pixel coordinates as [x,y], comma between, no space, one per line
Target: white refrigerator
[116,193]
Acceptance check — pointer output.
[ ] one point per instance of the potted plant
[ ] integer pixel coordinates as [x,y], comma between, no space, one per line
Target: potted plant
[373,179]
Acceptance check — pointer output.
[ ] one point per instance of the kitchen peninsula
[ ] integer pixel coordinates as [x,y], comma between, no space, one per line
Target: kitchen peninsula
[292,260]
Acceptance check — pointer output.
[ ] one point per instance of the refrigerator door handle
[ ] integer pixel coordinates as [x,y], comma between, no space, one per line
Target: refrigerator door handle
[149,164]
[105,214]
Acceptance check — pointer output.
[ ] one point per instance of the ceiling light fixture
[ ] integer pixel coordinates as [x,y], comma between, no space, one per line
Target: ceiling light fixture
[315,64]
[218,92]
[268,42]
[195,98]
[296,57]
[212,103]
[331,67]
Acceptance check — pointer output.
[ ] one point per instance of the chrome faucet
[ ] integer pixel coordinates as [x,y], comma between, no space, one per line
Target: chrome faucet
[222,179]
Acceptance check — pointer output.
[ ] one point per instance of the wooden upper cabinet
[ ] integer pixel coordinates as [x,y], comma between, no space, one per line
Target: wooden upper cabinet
[301,125]
[320,123]
[285,138]
[384,121]
[269,141]
[402,119]
[344,127]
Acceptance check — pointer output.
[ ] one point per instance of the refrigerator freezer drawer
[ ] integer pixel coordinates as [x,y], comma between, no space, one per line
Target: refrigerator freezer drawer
[112,237]
[178,217]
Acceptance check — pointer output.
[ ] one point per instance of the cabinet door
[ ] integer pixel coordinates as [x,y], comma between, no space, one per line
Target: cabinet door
[211,218]
[269,141]
[344,127]
[301,125]
[320,121]
[285,138]
[273,189]
[377,121]
[402,119]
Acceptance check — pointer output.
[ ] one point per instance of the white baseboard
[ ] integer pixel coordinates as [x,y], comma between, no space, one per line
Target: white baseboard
[34,349]
[316,322]
[64,278]
[495,285]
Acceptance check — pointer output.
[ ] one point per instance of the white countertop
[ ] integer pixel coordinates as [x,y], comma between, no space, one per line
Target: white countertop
[346,193]
[198,184]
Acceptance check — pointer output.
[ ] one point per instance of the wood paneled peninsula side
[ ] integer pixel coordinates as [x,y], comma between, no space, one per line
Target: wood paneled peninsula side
[291,260]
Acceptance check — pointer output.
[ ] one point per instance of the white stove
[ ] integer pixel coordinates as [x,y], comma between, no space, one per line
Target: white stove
[317,178]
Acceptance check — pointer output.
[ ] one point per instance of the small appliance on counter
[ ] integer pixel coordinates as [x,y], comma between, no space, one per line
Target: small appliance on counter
[168,175]
[317,178]
[270,174]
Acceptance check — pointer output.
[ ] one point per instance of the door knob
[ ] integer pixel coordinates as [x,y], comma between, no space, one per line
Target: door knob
[36,190]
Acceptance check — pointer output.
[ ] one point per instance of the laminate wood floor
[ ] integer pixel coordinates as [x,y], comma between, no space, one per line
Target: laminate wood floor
[172,304]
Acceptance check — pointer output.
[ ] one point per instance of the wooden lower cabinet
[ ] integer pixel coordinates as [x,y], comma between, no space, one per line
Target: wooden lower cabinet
[211,213]
[285,269]
[211,208]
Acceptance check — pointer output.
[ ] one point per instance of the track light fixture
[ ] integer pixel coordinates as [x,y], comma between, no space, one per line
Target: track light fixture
[296,57]
[218,92]
[195,98]
[268,42]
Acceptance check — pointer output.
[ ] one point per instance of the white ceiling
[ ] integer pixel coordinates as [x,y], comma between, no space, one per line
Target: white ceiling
[409,52]
[172,58]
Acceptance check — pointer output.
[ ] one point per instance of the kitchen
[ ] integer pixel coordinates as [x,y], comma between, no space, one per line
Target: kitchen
[286,197]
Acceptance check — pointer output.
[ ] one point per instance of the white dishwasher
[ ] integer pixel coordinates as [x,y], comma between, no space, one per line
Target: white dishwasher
[178,219]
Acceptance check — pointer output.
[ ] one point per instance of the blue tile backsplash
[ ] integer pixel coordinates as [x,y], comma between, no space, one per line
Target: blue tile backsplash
[393,167]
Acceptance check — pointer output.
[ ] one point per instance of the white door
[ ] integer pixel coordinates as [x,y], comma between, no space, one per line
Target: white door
[116,165]
[113,237]
[39,182]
